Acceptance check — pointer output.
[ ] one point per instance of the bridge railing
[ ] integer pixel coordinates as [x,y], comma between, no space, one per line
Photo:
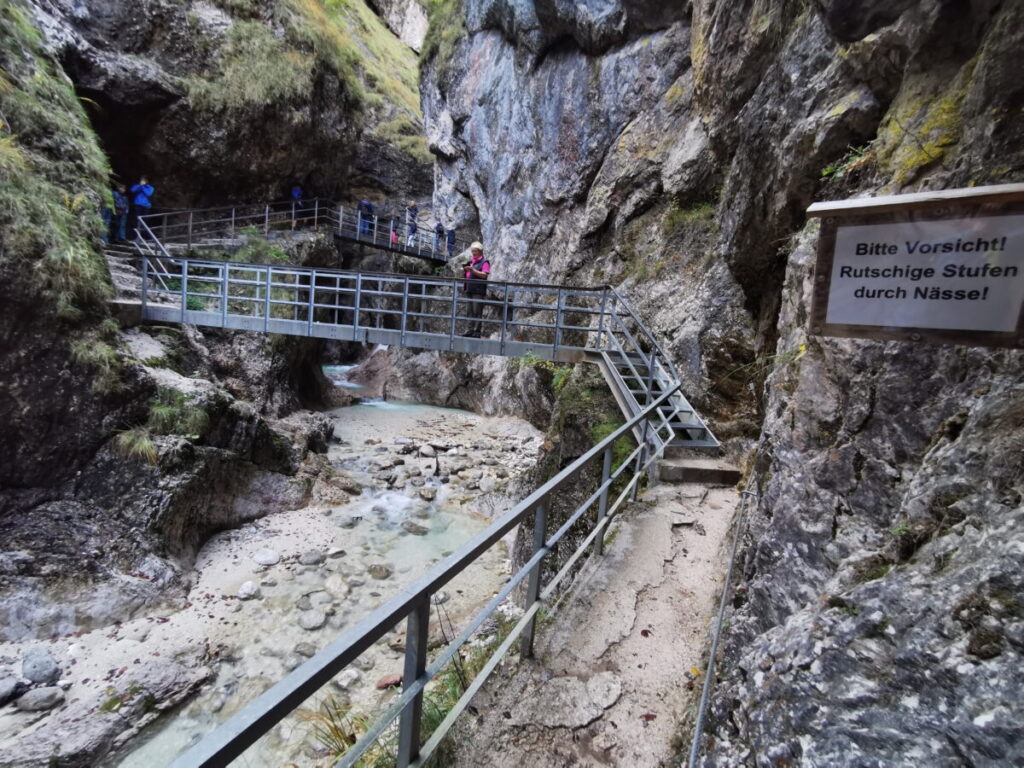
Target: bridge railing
[403,719]
[233,226]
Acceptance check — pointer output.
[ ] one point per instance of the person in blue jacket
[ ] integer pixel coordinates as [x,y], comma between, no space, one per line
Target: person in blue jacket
[142,202]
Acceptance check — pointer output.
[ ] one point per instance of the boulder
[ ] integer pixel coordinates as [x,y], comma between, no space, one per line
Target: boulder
[40,699]
[38,666]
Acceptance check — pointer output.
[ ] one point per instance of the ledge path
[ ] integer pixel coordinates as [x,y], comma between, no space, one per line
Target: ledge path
[618,649]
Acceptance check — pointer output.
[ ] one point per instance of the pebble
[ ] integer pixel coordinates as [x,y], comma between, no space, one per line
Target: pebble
[305,649]
[380,571]
[268,583]
[427,451]
[9,688]
[428,494]
[347,679]
[414,528]
[266,557]
[389,681]
[312,557]
[311,620]
[249,591]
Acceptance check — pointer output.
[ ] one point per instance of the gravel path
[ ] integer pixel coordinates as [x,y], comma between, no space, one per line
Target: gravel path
[616,663]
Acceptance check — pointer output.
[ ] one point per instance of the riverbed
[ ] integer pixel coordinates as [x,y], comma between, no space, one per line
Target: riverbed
[269,595]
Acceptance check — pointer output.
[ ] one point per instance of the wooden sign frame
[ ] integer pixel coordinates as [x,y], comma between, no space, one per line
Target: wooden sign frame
[988,202]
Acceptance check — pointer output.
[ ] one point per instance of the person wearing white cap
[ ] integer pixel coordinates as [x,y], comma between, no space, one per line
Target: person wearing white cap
[475,288]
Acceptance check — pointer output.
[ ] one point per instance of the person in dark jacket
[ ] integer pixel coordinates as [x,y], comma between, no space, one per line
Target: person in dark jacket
[451,243]
[438,234]
[365,208]
[412,214]
[120,213]
[142,202]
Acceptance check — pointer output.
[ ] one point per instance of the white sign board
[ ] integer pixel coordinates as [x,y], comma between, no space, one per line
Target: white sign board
[963,274]
[939,267]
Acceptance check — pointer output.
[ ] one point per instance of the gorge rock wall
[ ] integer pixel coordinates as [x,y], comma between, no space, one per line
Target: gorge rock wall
[673,153]
[223,101]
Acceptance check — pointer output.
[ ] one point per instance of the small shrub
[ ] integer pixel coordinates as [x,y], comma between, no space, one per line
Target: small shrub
[446,26]
[137,443]
[102,359]
[174,413]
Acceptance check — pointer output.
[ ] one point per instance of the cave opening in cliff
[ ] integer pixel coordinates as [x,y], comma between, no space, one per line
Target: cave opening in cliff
[123,132]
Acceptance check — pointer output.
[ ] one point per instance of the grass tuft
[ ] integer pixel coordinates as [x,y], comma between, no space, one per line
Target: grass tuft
[137,443]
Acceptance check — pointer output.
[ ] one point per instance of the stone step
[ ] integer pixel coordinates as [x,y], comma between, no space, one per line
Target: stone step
[693,470]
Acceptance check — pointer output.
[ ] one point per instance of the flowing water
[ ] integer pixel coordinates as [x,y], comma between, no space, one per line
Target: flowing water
[370,547]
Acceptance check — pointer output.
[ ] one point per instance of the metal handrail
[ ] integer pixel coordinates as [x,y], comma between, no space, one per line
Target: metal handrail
[425,311]
[232,738]
[185,226]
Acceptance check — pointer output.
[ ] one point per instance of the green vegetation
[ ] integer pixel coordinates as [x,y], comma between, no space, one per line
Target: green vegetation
[170,413]
[336,727]
[446,26]
[856,157]
[256,69]
[679,218]
[278,61]
[102,359]
[54,176]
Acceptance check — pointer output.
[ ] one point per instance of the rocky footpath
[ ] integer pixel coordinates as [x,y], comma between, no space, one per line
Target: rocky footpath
[267,595]
[672,152]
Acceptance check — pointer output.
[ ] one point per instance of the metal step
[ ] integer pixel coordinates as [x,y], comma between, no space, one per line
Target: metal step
[692,470]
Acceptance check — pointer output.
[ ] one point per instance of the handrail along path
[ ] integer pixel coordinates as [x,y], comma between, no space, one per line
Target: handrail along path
[553,322]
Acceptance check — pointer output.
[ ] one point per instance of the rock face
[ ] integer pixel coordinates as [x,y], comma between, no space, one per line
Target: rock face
[672,153]
[406,18]
[217,102]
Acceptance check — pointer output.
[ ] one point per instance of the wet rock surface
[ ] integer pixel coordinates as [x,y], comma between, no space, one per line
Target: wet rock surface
[677,165]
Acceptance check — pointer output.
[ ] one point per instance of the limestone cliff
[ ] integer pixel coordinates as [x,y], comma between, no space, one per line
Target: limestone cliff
[223,101]
[672,151]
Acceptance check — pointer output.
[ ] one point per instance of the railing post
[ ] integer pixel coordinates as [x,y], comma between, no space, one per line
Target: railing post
[504,321]
[312,302]
[266,301]
[232,222]
[266,219]
[455,302]
[533,589]
[184,288]
[558,321]
[224,295]
[600,318]
[602,508]
[145,282]
[189,230]
[355,309]
[405,310]
[376,228]
[359,223]
[415,665]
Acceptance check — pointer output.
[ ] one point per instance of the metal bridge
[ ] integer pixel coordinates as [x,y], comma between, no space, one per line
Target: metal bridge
[230,226]
[548,322]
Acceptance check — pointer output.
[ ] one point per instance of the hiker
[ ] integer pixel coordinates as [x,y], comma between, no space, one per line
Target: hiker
[412,213]
[438,234]
[296,195]
[120,213]
[477,272]
[451,243]
[394,232]
[365,209]
[142,202]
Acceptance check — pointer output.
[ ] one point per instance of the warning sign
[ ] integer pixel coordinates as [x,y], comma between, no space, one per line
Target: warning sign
[938,273]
